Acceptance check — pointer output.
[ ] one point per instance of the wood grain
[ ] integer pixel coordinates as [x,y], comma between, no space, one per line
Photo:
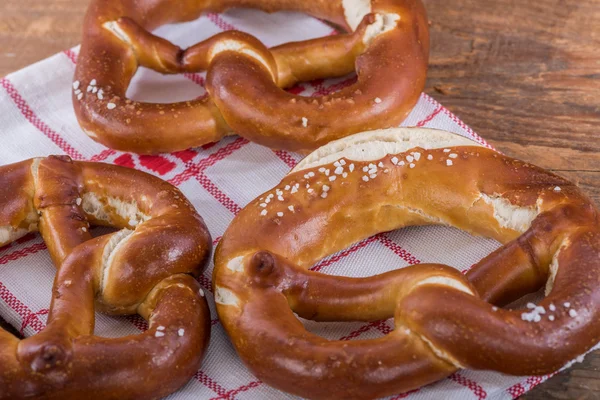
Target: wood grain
[523,74]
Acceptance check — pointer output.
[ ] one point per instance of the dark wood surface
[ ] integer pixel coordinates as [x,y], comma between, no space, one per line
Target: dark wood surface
[524,74]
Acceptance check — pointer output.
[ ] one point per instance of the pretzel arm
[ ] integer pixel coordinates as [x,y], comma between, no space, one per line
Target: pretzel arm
[321,297]
[327,57]
[522,266]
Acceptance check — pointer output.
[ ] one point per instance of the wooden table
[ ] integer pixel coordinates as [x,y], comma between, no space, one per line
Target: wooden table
[523,74]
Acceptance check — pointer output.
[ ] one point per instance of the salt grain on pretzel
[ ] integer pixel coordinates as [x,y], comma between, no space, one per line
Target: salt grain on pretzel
[444,320]
[387,45]
[147,267]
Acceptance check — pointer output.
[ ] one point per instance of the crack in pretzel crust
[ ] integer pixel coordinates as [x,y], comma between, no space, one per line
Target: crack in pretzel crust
[372,182]
[147,267]
[385,42]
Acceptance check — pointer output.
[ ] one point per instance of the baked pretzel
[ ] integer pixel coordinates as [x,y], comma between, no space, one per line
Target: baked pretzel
[387,45]
[382,180]
[147,267]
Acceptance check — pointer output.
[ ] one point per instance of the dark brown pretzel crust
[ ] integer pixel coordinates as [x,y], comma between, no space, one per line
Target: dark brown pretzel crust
[443,320]
[148,268]
[389,50]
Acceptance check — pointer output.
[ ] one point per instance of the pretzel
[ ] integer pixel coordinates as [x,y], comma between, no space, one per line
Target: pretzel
[382,180]
[147,267]
[387,45]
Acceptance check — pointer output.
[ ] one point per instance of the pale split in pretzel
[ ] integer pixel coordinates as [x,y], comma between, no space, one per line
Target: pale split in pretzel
[382,180]
[147,267]
[387,44]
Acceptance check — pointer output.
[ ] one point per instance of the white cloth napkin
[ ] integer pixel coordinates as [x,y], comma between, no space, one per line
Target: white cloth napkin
[37,119]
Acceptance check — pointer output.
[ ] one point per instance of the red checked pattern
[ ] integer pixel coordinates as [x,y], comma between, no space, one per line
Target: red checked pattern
[220,179]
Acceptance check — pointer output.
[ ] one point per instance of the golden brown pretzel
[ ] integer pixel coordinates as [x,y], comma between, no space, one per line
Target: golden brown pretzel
[378,181]
[147,267]
[388,49]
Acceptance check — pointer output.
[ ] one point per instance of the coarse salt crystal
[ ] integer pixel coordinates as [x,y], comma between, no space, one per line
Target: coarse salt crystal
[557,189]
[93,82]
[280,214]
[263,212]
[181,332]
[76,85]
[377,100]
[351,167]
[572,313]
[430,157]
[326,188]
[304,122]
[365,178]
[291,208]
[339,170]
[453,155]
[324,194]
[448,162]
[394,160]
[410,158]
[111,106]
[159,334]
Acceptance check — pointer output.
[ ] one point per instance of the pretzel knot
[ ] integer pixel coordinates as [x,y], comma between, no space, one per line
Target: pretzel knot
[387,45]
[382,180]
[147,267]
